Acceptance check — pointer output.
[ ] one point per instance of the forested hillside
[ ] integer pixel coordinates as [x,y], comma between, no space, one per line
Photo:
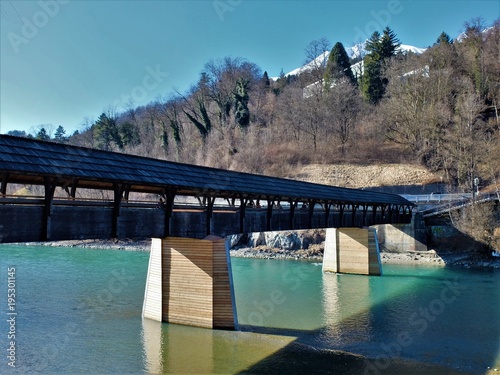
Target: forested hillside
[439,109]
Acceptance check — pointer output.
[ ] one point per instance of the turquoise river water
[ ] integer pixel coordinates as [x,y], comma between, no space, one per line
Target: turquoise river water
[78,311]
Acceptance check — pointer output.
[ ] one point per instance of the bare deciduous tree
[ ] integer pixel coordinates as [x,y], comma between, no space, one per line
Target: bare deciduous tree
[342,104]
[317,58]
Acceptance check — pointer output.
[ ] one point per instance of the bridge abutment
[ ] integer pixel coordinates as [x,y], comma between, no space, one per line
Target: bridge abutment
[352,250]
[189,282]
[401,238]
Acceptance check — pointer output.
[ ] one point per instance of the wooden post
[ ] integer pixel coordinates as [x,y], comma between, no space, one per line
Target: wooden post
[328,207]
[374,214]
[169,197]
[118,191]
[5,180]
[210,213]
[365,209]
[74,184]
[312,203]
[391,209]
[269,213]
[353,214]
[243,206]
[293,205]
[50,187]
[382,221]
[341,214]
[71,193]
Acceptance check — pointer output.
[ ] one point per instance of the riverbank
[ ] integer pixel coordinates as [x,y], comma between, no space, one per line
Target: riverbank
[109,244]
[439,257]
[432,257]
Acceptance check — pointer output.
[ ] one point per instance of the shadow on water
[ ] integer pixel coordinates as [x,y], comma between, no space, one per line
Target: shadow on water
[297,358]
[371,325]
[430,328]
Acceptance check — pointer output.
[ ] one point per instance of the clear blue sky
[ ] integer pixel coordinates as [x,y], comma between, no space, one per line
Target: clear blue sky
[66,61]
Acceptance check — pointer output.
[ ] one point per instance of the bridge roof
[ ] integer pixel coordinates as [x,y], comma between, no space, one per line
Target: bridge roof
[28,161]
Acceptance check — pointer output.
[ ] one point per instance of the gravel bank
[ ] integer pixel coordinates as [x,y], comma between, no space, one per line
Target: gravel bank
[123,244]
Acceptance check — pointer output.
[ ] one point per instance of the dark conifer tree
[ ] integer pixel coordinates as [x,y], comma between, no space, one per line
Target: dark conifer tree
[338,65]
[60,134]
[105,132]
[444,39]
[42,135]
[380,48]
[266,80]
[389,44]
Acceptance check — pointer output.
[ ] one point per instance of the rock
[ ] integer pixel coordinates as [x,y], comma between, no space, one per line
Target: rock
[236,240]
[256,239]
[311,237]
[282,240]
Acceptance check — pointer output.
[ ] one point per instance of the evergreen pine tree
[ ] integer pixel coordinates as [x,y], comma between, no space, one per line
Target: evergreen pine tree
[338,65]
[389,44]
[60,134]
[266,80]
[373,45]
[42,135]
[379,48]
[105,133]
[444,39]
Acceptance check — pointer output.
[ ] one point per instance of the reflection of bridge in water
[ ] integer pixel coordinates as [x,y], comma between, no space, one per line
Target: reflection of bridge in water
[254,203]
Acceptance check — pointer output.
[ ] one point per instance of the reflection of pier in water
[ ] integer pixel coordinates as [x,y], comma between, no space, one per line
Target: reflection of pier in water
[177,349]
[346,297]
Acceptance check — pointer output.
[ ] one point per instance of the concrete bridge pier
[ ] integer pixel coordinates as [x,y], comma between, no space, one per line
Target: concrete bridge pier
[189,282]
[352,250]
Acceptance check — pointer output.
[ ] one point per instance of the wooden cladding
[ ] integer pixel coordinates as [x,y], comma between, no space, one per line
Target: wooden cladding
[195,283]
[152,307]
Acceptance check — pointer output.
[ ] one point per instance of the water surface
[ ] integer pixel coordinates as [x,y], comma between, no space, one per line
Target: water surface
[79,311]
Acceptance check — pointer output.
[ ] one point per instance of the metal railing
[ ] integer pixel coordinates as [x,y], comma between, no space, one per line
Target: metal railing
[437,198]
[451,206]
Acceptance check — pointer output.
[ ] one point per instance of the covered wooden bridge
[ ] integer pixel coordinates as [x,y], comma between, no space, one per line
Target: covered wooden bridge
[189,278]
[53,165]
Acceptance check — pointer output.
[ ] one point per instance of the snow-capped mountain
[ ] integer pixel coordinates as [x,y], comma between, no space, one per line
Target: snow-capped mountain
[358,50]
[463,35]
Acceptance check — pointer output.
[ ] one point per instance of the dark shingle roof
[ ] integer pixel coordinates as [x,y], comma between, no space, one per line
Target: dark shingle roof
[28,161]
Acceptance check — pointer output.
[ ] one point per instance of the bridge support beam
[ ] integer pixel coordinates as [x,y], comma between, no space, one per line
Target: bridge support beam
[189,282]
[352,250]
